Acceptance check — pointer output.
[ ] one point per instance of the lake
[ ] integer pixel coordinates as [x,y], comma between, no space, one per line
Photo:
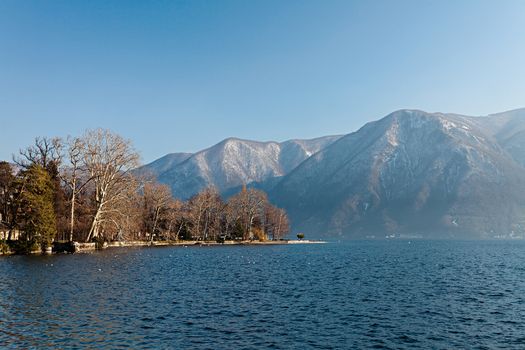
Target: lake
[365,294]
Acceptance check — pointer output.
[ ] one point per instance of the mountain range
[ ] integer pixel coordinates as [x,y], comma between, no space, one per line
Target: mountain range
[232,163]
[409,174]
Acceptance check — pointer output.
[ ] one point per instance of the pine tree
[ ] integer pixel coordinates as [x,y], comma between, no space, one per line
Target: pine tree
[6,189]
[37,200]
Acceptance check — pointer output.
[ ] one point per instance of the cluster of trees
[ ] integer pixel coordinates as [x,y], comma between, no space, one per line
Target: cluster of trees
[248,215]
[84,189]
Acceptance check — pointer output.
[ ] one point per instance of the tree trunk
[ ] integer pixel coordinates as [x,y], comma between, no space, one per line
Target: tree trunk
[72,223]
[178,232]
[205,234]
[93,232]
[155,220]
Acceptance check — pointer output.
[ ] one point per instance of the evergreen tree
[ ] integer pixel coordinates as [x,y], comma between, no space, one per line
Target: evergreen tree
[37,200]
[7,180]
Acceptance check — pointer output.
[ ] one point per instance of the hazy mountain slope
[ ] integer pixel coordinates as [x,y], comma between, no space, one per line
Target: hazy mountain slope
[508,128]
[163,164]
[294,152]
[411,172]
[233,162]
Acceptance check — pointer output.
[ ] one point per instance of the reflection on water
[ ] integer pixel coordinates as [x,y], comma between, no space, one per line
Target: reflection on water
[391,294]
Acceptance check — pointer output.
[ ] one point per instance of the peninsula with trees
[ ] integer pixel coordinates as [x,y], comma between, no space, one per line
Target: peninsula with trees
[61,193]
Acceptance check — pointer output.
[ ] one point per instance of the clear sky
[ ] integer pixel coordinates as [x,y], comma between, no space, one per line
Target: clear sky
[182,75]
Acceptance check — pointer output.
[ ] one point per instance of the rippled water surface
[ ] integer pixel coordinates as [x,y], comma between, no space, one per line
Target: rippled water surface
[386,295]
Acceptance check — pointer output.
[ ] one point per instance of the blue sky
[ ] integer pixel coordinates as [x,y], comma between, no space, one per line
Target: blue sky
[183,75]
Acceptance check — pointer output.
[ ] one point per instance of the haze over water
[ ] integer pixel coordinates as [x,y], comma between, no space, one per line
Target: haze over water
[381,294]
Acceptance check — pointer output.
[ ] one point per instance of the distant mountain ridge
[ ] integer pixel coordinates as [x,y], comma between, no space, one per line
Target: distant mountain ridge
[164,163]
[232,163]
[411,174]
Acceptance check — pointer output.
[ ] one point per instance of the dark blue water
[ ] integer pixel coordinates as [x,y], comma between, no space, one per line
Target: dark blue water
[385,295]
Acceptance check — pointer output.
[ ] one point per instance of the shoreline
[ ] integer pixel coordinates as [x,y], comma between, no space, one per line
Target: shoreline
[142,244]
[77,247]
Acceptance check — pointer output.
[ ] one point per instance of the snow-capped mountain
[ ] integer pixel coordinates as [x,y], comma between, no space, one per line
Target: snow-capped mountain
[232,163]
[414,173]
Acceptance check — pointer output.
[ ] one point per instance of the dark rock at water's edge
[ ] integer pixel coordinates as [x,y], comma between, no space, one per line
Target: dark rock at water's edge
[65,247]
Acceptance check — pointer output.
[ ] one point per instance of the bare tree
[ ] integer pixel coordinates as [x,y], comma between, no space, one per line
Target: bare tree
[108,159]
[231,219]
[173,219]
[205,209]
[248,205]
[72,173]
[276,222]
[123,219]
[43,152]
[156,198]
